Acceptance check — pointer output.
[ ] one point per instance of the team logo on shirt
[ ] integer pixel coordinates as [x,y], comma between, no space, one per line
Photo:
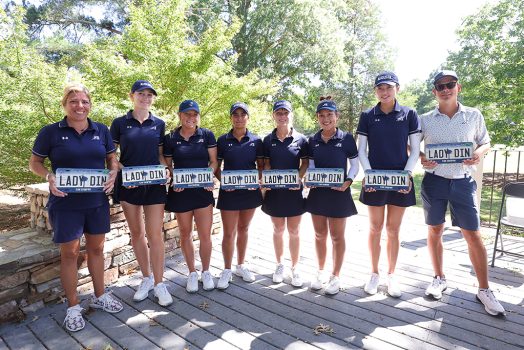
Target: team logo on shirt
[401,118]
[230,144]
[377,119]
[178,142]
[338,145]
[129,126]
[317,144]
[200,141]
[96,137]
[273,144]
[153,127]
[252,144]
[65,138]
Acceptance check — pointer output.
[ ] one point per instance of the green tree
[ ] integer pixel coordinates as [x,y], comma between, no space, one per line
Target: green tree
[490,65]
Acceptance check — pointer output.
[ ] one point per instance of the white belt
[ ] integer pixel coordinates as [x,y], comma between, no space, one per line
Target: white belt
[453,177]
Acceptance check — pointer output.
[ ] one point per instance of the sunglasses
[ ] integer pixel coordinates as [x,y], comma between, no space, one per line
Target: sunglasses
[449,86]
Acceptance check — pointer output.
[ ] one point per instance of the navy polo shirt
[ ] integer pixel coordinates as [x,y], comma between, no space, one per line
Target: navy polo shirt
[285,154]
[388,135]
[138,142]
[65,148]
[335,152]
[192,153]
[239,155]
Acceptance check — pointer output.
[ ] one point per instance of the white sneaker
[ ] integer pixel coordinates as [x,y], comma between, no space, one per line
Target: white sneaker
[393,286]
[225,277]
[278,275]
[192,282]
[318,283]
[207,280]
[371,287]
[491,304]
[296,281]
[147,284]
[162,294]
[74,321]
[106,302]
[437,286]
[243,271]
[333,286]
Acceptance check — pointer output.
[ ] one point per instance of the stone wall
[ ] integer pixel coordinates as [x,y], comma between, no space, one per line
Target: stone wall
[30,261]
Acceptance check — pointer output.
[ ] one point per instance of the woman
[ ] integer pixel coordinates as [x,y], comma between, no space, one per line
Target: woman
[78,142]
[190,146]
[385,130]
[329,207]
[140,136]
[285,148]
[239,149]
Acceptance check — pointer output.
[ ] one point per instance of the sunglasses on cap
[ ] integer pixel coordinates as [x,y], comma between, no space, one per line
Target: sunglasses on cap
[449,86]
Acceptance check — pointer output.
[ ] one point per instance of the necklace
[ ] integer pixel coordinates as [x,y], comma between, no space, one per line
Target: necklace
[327,137]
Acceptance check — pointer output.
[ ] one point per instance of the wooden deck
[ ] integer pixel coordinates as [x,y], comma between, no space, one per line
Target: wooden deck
[263,315]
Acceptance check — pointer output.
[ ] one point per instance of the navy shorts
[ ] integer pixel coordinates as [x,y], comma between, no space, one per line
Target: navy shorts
[141,195]
[437,192]
[284,203]
[239,199]
[331,203]
[69,225]
[381,198]
[189,199]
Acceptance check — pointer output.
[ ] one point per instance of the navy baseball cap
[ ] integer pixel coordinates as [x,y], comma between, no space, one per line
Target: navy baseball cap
[282,104]
[444,73]
[327,104]
[238,105]
[140,85]
[188,105]
[386,77]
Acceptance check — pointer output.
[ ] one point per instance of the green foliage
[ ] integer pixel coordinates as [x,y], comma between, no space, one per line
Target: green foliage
[490,65]
[31,90]
[417,94]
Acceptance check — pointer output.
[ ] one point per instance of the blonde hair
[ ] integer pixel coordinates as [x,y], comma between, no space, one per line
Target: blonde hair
[73,89]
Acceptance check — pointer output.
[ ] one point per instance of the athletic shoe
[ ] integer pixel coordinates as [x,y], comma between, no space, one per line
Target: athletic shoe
[296,281]
[491,304]
[318,283]
[106,302]
[225,277]
[243,271]
[163,295]
[437,286]
[147,284]
[192,282]
[74,321]
[393,286]
[278,275]
[207,281]
[371,287]
[333,286]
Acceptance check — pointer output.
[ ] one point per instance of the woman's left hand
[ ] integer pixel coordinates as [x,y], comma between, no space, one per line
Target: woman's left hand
[409,189]
[110,183]
[344,186]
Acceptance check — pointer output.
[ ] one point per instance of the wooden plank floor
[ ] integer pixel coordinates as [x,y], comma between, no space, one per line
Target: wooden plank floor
[263,315]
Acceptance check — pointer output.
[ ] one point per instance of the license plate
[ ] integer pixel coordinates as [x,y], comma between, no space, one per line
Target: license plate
[324,177]
[143,175]
[280,179]
[75,180]
[387,180]
[193,177]
[239,179]
[449,152]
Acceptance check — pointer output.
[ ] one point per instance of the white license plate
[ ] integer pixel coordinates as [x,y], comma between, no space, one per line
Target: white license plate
[76,180]
[193,177]
[387,180]
[144,175]
[280,179]
[239,179]
[324,177]
[449,152]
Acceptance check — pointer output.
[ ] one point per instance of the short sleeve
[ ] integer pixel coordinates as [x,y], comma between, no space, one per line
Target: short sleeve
[414,122]
[363,128]
[266,144]
[220,147]
[211,141]
[42,145]
[351,146]
[309,148]
[303,151]
[115,131]
[162,133]
[109,144]
[482,136]
[168,145]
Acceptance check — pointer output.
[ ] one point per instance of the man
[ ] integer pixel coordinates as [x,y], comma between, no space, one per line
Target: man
[443,183]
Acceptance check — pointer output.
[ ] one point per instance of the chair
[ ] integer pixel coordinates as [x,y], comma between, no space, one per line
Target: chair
[512,205]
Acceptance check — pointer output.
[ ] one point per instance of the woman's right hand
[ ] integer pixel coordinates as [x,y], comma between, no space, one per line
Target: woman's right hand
[369,189]
[427,164]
